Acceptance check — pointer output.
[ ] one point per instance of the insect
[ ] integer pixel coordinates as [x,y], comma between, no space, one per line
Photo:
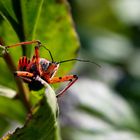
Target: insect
[36,71]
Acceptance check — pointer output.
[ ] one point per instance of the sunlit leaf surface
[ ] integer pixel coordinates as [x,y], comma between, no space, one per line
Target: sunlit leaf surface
[43,124]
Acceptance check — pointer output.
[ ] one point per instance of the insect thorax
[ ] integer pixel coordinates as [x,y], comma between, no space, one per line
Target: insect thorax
[44,64]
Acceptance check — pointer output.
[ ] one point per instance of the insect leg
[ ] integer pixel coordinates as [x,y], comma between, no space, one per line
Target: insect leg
[28,80]
[23,63]
[23,74]
[70,78]
[24,43]
[37,58]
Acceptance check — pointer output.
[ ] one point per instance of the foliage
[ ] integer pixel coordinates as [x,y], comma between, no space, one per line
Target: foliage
[50,22]
[43,123]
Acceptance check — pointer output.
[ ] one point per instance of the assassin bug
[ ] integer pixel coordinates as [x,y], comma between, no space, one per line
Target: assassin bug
[37,71]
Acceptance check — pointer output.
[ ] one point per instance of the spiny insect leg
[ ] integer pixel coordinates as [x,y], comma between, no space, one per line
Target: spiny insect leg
[23,63]
[71,78]
[24,43]
[23,74]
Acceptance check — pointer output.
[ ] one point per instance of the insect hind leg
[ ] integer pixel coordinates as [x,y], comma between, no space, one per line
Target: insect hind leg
[71,78]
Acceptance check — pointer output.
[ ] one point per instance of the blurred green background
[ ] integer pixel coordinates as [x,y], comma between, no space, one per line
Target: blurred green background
[104,104]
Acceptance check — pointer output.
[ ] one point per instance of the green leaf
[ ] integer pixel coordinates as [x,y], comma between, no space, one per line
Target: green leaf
[20,14]
[4,124]
[43,125]
[12,109]
[59,36]
[49,21]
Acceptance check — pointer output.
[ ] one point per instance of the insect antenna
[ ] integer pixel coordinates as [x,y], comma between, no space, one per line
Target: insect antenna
[49,52]
[76,59]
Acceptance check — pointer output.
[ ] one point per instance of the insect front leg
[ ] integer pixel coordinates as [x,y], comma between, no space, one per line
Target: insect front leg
[23,74]
[37,58]
[24,43]
[25,79]
[26,76]
[70,78]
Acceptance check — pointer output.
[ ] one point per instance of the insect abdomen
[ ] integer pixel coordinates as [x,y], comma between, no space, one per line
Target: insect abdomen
[35,85]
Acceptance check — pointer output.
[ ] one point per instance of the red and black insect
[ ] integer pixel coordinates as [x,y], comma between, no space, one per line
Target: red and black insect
[30,69]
